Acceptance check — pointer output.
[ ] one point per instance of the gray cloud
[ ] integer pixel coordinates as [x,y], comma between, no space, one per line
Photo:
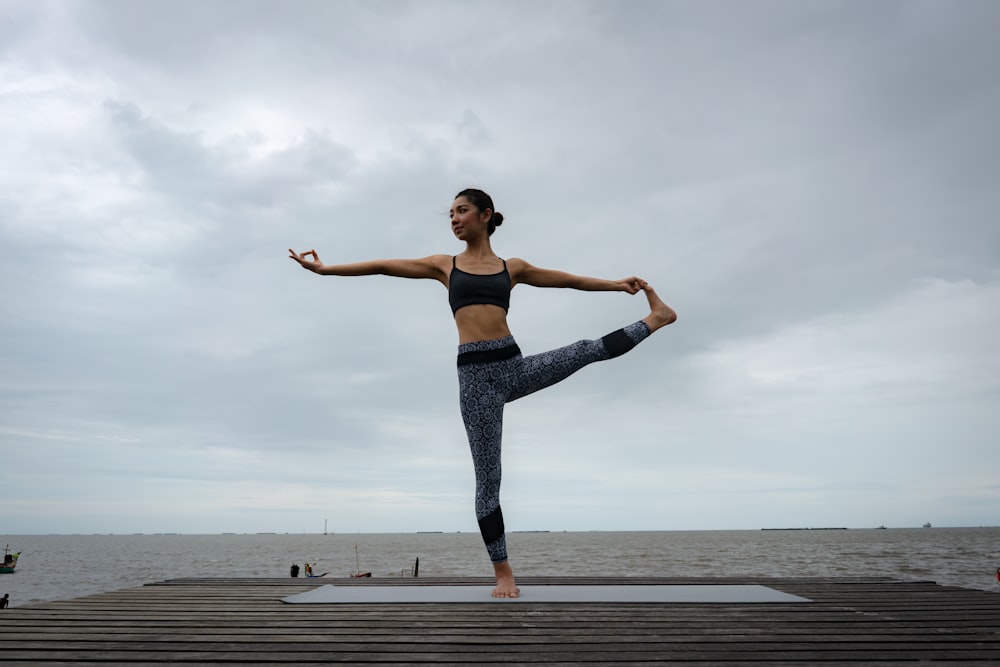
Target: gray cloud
[810,185]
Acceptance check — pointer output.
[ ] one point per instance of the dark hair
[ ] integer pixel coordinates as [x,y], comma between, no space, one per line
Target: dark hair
[483,201]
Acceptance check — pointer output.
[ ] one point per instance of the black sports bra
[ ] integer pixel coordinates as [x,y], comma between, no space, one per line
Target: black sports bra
[467,289]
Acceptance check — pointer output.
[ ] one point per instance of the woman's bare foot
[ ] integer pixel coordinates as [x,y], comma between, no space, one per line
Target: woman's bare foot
[506,588]
[660,314]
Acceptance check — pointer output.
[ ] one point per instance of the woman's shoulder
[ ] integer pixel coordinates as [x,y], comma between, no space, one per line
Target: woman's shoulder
[442,262]
[519,269]
[516,264]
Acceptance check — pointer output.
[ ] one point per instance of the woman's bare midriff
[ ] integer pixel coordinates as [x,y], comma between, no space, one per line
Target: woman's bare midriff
[481,322]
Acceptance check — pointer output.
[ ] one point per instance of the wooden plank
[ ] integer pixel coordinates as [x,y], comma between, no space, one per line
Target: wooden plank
[858,621]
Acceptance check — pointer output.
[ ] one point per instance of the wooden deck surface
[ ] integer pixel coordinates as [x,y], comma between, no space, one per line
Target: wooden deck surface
[243,621]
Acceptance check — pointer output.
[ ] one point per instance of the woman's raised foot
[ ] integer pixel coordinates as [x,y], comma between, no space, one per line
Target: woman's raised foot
[660,314]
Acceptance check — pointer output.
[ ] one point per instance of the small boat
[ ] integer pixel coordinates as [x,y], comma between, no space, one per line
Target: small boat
[312,575]
[9,561]
[927,525]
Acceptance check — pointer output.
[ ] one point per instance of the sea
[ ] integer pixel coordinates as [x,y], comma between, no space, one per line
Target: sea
[61,567]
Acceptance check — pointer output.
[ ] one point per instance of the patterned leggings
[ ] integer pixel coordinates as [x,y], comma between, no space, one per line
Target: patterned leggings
[492,373]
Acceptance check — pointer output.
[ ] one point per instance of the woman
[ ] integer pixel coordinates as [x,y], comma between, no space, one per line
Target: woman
[491,369]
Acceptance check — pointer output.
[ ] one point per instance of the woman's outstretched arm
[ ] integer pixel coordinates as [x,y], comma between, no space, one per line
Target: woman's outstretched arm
[434,267]
[523,272]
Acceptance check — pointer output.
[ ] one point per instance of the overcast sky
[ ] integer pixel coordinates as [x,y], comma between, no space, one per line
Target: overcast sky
[812,185]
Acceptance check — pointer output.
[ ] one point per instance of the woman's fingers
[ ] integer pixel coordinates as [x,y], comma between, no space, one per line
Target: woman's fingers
[303,258]
[633,285]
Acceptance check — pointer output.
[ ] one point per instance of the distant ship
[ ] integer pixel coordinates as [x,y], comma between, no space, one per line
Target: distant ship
[927,525]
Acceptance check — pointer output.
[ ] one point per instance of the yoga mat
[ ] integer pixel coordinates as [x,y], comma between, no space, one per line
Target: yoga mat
[369,594]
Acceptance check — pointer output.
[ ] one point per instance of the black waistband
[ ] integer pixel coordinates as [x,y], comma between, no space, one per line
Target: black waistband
[486,356]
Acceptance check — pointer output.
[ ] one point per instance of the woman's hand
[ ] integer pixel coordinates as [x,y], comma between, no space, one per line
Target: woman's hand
[632,285]
[314,265]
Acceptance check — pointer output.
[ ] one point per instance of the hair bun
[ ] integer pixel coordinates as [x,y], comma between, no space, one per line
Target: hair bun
[497,218]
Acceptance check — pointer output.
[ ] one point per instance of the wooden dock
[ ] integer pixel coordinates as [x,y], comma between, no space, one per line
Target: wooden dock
[242,621]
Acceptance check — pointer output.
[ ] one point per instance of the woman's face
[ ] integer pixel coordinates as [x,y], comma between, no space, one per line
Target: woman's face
[466,219]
